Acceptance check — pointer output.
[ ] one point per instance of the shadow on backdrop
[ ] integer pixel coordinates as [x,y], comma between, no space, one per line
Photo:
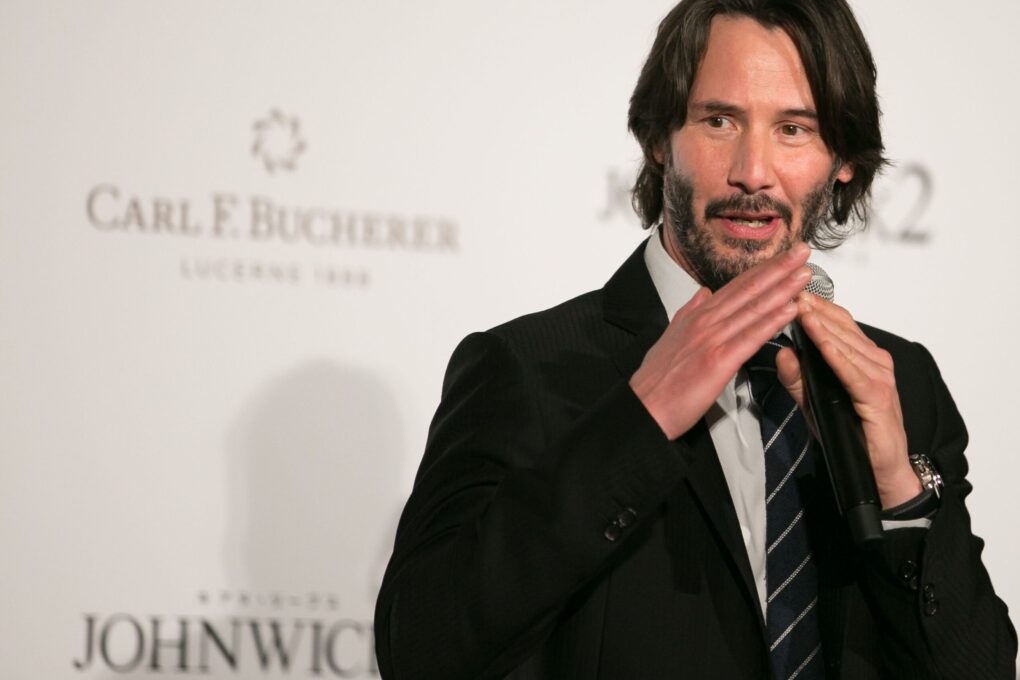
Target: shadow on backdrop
[312,508]
[312,502]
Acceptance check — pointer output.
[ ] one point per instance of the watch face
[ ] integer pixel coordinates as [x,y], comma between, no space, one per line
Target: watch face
[930,478]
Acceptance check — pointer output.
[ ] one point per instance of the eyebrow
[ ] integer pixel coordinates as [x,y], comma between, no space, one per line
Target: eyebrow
[717,106]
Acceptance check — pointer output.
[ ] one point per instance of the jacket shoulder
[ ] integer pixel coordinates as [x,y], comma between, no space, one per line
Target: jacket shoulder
[575,324]
[913,363]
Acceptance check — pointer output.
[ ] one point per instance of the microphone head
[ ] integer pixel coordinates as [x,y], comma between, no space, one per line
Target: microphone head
[820,283]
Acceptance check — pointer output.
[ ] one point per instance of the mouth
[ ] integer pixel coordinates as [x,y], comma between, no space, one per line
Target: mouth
[750,225]
[753,220]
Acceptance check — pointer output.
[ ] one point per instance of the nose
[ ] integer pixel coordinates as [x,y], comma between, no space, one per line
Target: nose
[751,165]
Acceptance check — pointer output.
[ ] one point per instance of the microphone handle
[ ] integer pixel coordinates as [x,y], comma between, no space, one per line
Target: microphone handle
[844,447]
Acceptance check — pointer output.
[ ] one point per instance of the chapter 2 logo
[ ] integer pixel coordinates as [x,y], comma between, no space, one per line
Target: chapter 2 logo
[900,205]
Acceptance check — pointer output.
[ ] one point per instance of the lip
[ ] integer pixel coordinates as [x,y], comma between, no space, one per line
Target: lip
[742,231]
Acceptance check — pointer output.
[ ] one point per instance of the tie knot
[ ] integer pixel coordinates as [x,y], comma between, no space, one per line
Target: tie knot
[761,368]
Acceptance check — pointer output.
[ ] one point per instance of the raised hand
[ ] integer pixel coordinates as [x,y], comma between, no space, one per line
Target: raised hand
[711,337]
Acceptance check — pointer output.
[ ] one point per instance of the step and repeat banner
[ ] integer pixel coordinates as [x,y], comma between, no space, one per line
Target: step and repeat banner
[239,240]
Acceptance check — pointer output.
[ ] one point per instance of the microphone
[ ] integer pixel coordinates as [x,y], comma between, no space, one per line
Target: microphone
[844,448]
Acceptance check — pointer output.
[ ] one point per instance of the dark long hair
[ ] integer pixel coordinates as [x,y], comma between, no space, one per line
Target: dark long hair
[840,71]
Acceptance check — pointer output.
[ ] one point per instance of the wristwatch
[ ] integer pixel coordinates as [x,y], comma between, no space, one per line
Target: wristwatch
[926,472]
[924,504]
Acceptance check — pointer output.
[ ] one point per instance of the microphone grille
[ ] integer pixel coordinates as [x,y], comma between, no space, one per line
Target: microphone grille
[820,283]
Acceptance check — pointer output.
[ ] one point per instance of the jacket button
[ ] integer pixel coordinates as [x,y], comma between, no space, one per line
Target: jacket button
[928,592]
[627,517]
[931,608]
[613,531]
[907,570]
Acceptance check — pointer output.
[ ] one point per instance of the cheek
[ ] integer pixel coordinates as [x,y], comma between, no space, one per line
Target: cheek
[799,186]
[705,169]
[803,173]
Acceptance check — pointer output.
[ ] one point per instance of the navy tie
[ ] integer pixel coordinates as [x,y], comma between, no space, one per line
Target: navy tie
[791,614]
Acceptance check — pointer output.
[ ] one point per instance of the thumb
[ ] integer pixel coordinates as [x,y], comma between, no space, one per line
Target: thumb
[788,371]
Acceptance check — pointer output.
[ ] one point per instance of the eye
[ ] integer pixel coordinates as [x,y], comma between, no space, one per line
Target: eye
[791,130]
[717,122]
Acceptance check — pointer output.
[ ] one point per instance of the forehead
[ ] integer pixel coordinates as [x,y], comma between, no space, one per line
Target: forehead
[751,66]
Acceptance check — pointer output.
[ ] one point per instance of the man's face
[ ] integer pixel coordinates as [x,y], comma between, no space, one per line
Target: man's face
[748,173]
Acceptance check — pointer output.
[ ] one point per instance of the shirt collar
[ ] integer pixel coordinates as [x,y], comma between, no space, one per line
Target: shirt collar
[673,284]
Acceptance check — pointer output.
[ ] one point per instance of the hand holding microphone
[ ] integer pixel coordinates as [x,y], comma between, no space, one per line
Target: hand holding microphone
[846,384]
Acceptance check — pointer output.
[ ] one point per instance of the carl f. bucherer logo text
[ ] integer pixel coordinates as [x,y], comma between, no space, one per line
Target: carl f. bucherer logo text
[257,218]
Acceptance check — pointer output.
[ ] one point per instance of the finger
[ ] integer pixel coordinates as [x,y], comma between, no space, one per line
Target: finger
[838,321]
[764,276]
[871,388]
[761,278]
[791,378]
[762,317]
[788,372]
[868,359]
[829,310]
[696,301]
[759,318]
[874,400]
[854,379]
[735,337]
[745,329]
[737,342]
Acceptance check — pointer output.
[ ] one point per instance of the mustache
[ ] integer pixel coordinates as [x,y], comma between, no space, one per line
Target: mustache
[750,204]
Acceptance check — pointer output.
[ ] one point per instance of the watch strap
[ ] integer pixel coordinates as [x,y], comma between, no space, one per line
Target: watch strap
[921,506]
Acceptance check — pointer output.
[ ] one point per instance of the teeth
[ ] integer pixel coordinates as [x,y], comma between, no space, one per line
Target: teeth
[750,223]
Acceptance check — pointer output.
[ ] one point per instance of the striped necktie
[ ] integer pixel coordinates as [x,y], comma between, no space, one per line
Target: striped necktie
[791,614]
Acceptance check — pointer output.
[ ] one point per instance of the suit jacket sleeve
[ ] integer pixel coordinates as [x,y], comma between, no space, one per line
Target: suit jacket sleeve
[929,590]
[503,526]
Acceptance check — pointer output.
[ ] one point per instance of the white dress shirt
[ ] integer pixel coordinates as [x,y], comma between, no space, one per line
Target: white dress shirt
[733,421]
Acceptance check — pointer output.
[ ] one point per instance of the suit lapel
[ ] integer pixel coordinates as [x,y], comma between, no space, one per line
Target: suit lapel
[631,303]
[708,483]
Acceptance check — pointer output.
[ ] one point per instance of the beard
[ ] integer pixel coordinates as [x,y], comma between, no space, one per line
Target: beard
[712,266]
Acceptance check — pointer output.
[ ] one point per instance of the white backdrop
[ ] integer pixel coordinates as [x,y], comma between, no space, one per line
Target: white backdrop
[239,240]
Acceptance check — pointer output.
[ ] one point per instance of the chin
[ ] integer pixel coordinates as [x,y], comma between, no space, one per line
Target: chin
[730,257]
[752,249]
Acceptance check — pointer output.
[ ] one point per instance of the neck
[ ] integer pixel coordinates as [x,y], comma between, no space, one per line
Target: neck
[667,237]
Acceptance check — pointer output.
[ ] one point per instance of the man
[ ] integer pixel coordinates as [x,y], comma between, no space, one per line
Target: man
[604,485]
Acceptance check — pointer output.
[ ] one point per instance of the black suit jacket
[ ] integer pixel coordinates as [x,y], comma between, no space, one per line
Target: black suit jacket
[554,531]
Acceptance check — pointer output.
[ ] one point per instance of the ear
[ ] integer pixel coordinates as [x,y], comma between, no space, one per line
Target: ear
[845,173]
[661,148]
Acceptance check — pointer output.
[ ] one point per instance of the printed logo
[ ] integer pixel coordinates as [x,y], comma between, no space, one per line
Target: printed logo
[288,231]
[232,634]
[278,142]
